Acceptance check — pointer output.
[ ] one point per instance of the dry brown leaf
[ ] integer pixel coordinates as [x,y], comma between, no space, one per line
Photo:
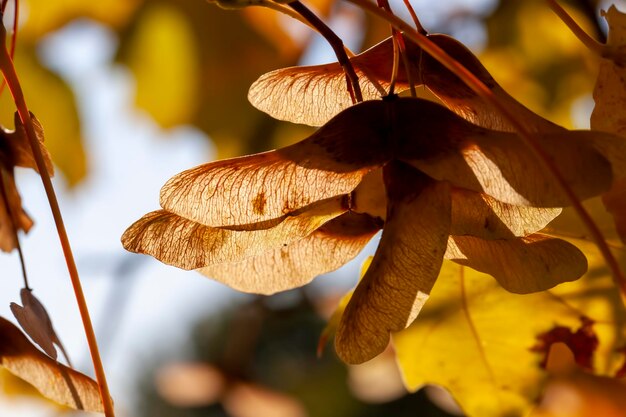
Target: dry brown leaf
[12,215]
[615,203]
[501,165]
[473,213]
[269,185]
[36,322]
[313,94]
[15,151]
[610,88]
[53,380]
[478,214]
[463,100]
[522,265]
[404,268]
[308,95]
[296,264]
[186,244]
[19,148]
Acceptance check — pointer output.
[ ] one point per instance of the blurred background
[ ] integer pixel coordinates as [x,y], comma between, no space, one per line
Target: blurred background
[131,92]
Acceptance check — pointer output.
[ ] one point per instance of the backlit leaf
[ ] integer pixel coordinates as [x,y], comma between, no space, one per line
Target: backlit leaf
[265,186]
[503,166]
[55,381]
[523,265]
[307,95]
[313,94]
[160,234]
[297,263]
[55,110]
[610,94]
[476,339]
[478,214]
[404,268]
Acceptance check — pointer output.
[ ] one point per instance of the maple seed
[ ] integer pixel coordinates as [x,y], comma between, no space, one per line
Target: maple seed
[424,171]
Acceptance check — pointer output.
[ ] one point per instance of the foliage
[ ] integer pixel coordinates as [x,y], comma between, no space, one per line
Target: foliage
[415,137]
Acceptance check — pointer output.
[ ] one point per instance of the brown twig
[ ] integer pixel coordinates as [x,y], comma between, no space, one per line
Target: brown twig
[337,44]
[6,65]
[18,246]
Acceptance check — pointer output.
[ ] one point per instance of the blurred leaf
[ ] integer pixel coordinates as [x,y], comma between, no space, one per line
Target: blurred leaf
[251,400]
[45,16]
[55,381]
[377,381]
[231,56]
[583,395]
[52,100]
[610,94]
[12,386]
[610,89]
[476,340]
[541,64]
[190,384]
[163,54]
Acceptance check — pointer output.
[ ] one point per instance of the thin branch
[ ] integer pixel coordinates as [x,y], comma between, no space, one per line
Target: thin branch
[579,32]
[18,246]
[486,94]
[6,64]
[337,44]
[416,21]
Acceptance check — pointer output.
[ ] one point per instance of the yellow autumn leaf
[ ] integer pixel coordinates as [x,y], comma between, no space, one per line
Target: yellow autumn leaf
[163,55]
[55,110]
[541,64]
[44,16]
[479,341]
